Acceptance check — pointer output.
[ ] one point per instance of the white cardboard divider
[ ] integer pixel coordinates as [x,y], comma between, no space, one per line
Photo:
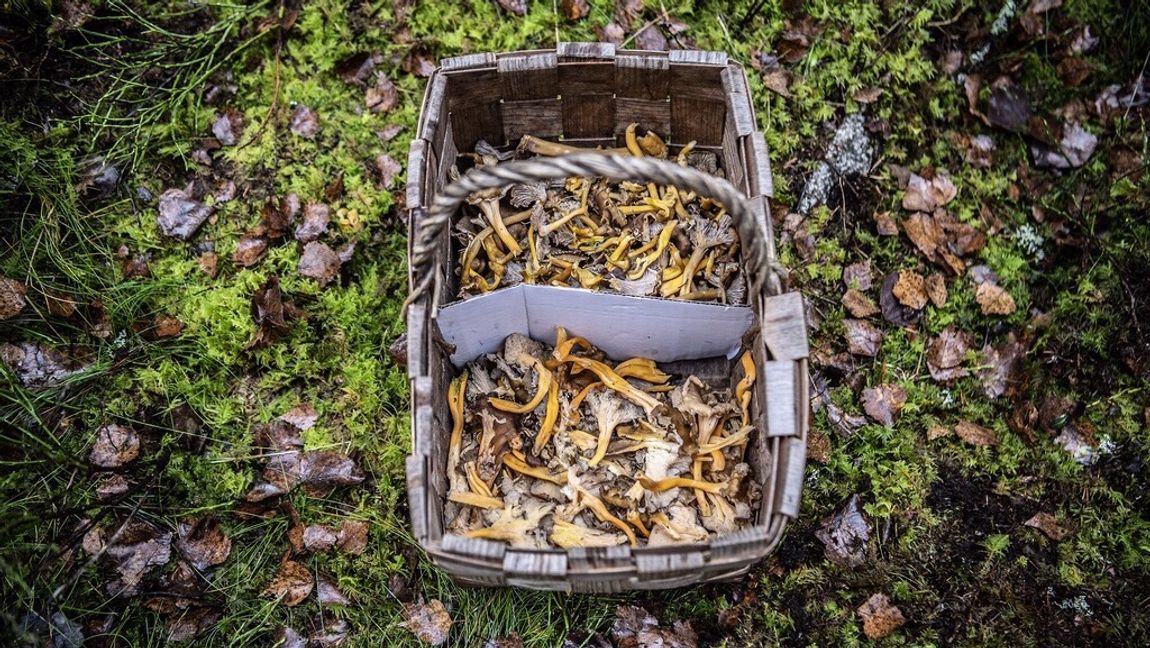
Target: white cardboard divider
[664,330]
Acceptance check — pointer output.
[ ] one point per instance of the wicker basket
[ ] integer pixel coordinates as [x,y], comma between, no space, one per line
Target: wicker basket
[587,94]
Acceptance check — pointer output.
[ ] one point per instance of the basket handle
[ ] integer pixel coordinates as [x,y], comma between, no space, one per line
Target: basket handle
[758,254]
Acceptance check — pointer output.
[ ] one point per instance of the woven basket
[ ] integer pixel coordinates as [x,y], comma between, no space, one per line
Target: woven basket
[587,94]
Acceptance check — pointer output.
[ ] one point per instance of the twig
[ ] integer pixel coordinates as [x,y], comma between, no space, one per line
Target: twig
[275,83]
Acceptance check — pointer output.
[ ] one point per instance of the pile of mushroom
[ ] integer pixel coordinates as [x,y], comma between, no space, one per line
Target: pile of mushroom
[593,233]
[559,447]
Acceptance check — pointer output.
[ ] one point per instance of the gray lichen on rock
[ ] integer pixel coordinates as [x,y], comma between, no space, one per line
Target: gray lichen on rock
[849,153]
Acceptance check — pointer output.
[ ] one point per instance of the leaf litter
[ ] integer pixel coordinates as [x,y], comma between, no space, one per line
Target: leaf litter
[845,534]
[428,621]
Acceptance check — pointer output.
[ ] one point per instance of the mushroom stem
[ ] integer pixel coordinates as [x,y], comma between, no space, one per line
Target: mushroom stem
[514,463]
[600,510]
[532,144]
[540,393]
[615,382]
[549,418]
[743,389]
[547,228]
[474,499]
[678,482]
[490,209]
[456,392]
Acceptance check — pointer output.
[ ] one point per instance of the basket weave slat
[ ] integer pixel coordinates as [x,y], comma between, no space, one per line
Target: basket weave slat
[587,93]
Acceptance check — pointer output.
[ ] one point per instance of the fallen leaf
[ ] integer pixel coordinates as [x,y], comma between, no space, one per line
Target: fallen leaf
[316,217]
[883,402]
[166,326]
[301,416]
[387,168]
[209,262]
[270,313]
[575,9]
[635,627]
[1082,448]
[192,623]
[845,534]
[1001,366]
[994,299]
[277,216]
[937,432]
[382,97]
[304,122]
[1009,109]
[179,216]
[517,7]
[858,275]
[292,584]
[975,434]
[11,297]
[397,350]
[651,39]
[249,251]
[352,537]
[796,38]
[317,471]
[612,33]
[38,366]
[202,542]
[328,632]
[1074,71]
[885,224]
[59,305]
[1074,149]
[329,593]
[429,621]
[818,446]
[390,132]
[946,353]
[285,637]
[910,289]
[863,338]
[512,640]
[111,487]
[278,436]
[319,262]
[980,151]
[139,548]
[927,195]
[936,290]
[228,126]
[1047,524]
[345,252]
[867,95]
[317,537]
[419,62]
[778,80]
[858,304]
[357,68]
[893,311]
[115,446]
[880,618]
[926,234]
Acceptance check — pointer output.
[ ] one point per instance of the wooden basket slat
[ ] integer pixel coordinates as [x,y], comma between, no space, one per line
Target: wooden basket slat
[642,76]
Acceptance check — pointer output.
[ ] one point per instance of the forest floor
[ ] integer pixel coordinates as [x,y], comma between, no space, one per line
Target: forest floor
[977,300]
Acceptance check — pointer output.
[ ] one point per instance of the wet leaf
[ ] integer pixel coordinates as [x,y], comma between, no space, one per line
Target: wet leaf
[357,68]
[328,632]
[319,472]
[277,217]
[387,168]
[316,217]
[179,216]
[946,353]
[516,7]
[302,417]
[910,289]
[166,326]
[191,623]
[270,313]
[429,621]
[778,80]
[139,548]
[250,251]
[317,537]
[382,97]
[209,262]
[419,62]
[863,338]
[858,275]
[1082,447]
[635,627]
[994,299]
[575,9]
[287,638]
[319,262]
[845,534]
[796,38]
[858,304]
[112,486]
[1009,109]
[115,446]
[397,350]
[883,402]
[885,224]
[1001,366]
[292,584]
[278,436]
[612,33]
[880,618]
[329,593]
[304,122]
[927,195]
[202,542]
[892,310]
[652,39]
[1048,524]
[1074,149]
[11,297]
[975,434]
[352,537]
[228,126]
[936,290]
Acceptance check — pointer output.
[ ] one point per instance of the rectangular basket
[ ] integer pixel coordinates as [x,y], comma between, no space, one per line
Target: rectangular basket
[587,94]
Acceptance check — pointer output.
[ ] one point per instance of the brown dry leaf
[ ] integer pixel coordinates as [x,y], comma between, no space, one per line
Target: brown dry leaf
[357,68]
[191,623]
[883,402]
[937,432]
[910,289]
[112,486]
[845,534]
[228,126]
[250,251]
[383,97]
[1047,524]
[209,263]
[179,216]
[316,217]
[880,618]
[270,313]
[994,299]
[397,350]
[975,434]
[328,632]
[818,446]
[291,584]
[419,62]
[317,537]
[858,304]
[575,9]
[167,326]
[429,621]
[512,640]
[858,275]
[352,537]
[319,472]
[387,168]
[980,151]
[936,290]
[139,548]
[277,216]
[202,542]
[893,311]
[925,233]
[304,122]
[796,38]
[924,195]
[867,95]
[11,297]
[319,262]
[885,224]
[329,593]
[638,628]
[863,338]
[1001,366]
[278,436]
[115,446]
[946,353]
[302,416]
[778,80]
[59,305]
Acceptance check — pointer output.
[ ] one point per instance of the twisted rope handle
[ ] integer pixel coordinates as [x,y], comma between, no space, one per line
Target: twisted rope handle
[758,255]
